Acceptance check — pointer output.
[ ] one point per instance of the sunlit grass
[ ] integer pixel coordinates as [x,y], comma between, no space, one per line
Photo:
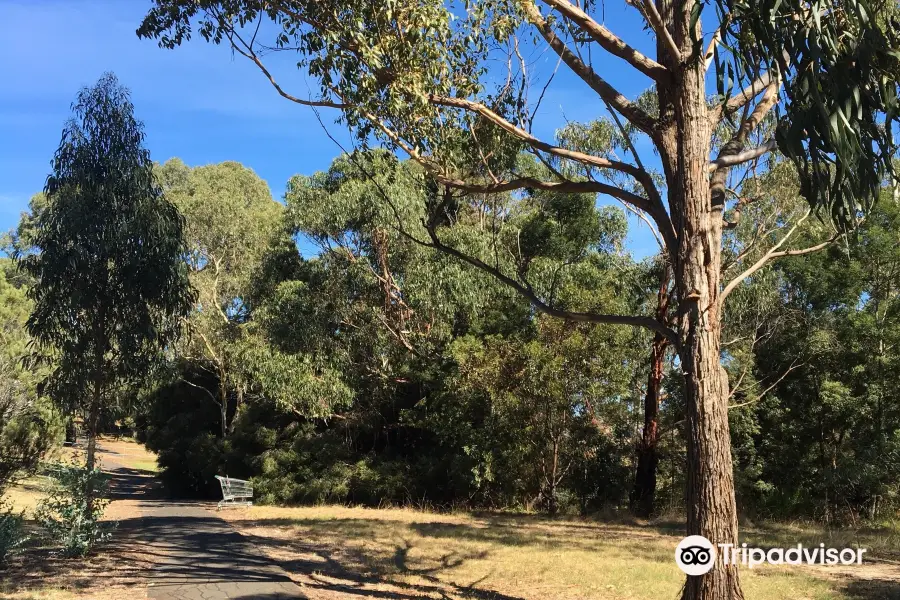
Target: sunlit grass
[881,541]
[25,495]
[490,556]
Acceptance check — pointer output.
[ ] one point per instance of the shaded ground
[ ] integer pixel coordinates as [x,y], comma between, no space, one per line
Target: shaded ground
[166,550]
[197,556]
[161,550]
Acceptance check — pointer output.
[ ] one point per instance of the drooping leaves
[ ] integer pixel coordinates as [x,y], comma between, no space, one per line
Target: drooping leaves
[839,63]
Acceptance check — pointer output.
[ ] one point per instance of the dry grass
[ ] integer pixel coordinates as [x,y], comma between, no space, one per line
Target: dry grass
[340,553]
[26,495]
[882,542]
[114,573]
[62,594]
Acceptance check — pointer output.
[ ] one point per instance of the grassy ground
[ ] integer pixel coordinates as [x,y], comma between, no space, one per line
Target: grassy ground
[341,553]
[112,574]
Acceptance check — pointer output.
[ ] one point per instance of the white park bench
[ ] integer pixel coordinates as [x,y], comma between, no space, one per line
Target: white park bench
[235,492]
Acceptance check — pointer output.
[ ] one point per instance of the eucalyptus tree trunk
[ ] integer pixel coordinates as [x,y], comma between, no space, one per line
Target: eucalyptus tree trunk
[93,413]
[685,145]
[223,403]
[643,493]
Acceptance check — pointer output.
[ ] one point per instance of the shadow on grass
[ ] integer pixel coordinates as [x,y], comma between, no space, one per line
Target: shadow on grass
[505,531]
[372,575]
[334,554]
[871,589]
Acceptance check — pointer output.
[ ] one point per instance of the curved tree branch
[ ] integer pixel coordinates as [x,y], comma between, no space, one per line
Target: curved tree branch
[626,108]
[527,292]
[247,51]
[609,41]
[750,92]
[774,252]
[730,160]
[493,117]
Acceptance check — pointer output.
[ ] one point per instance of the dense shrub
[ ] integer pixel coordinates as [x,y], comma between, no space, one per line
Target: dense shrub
[28,427]
[70,520]
[444,453]
[181,427]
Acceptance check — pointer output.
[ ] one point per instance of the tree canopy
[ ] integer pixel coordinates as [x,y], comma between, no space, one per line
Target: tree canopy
[109,283]
[815,81]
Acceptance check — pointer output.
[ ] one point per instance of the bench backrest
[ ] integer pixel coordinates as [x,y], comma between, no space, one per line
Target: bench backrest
[235,488]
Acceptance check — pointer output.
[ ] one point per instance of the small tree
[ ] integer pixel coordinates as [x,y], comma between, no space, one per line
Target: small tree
[27,426]
[106,255]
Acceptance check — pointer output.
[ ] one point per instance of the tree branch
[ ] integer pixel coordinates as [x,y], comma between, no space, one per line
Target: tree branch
[493,117]
[713,42]
[200,387]
[633,113]
[775,253]
[526,291]
[761,395]
[730,160]
[655,21]
[248,52]
[652,207]
[609,41]
[807,250]
[743,97]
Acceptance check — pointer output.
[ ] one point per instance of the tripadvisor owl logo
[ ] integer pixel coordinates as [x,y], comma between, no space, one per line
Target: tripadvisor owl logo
[695,555]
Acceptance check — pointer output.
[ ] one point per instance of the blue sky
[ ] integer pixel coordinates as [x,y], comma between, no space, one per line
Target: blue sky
[197,102]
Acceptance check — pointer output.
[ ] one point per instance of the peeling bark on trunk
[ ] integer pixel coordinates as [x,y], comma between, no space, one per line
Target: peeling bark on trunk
[711,508]
[223,404]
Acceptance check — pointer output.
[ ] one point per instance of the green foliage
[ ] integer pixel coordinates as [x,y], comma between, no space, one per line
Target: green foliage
[71,513]
[182,426]
[839,63]
[553,428]
[379,371]
[402,324]
[107,247]
[231,219]
[823,440]
[28,426]
[12,532]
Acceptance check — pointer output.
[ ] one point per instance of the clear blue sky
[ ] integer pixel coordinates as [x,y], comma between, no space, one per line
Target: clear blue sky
[196,102]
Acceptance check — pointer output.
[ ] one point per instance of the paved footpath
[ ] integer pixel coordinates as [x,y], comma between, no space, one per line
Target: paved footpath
[196,555]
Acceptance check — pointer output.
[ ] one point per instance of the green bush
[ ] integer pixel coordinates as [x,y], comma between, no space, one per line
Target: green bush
[12,532]
[29,427]
[66,514]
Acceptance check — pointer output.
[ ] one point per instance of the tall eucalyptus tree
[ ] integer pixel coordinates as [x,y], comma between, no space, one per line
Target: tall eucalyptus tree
[415,75]
[229,217]
[106,255]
